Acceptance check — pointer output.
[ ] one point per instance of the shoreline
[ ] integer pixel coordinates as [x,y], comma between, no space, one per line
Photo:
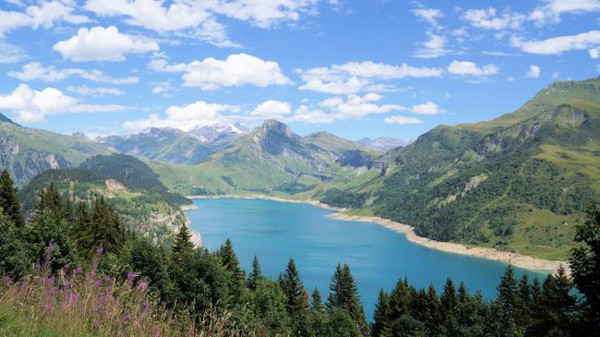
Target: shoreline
[515,259]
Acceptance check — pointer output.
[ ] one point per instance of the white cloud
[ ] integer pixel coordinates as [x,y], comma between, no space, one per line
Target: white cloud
[428,108]
[45,15]
[352,107]
[466,68]
[10,53]
[557,45]
[271,109]
[353,77]
[431,15]
[266,13]
[434,47]
[186,117]
[198,18]
[402,120]
[490,19]
[533,72]
[551,11]
[102,44]
[36,71]
[32,105]
[95,92]
[236,70]
[594,53]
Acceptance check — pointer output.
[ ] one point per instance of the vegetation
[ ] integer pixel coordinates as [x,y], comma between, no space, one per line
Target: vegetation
[131,284]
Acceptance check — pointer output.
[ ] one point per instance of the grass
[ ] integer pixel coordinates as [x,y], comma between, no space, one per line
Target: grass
[73,303]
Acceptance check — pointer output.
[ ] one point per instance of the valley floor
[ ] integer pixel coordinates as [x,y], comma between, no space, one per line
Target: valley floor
[518,260]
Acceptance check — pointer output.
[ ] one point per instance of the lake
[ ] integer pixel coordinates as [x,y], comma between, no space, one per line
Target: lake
[378,257]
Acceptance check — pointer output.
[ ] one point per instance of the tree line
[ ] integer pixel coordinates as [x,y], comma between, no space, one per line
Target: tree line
[192,280]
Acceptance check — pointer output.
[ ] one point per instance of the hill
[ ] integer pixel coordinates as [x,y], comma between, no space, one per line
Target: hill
[519,182]
[26,152]
[128,184]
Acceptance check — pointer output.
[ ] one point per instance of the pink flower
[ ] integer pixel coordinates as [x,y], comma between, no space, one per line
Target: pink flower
[143,285]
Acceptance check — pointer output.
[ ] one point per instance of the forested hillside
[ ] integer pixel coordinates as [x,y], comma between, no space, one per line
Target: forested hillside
[520,182]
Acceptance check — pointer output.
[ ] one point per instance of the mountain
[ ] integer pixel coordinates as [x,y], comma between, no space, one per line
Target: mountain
[519,182]
[26,152]
[269,159]
[382,144]
[174,145]
[218,134]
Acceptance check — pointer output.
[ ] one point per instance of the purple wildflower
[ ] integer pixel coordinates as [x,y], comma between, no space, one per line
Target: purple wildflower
[131,276]
[99,251]
[8,281]
[146,305]
[143,285]
[96,325]
[78,269]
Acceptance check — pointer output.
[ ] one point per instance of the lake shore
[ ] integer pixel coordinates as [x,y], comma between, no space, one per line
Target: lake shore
[517,260]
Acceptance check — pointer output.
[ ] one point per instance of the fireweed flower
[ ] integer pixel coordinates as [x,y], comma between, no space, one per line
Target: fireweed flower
[143,285]
[131,276]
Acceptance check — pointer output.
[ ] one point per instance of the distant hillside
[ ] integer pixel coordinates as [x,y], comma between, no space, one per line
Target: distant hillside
[518,182]
[141,201]
[382,144]
[270,159]
[175,146]
[26,152]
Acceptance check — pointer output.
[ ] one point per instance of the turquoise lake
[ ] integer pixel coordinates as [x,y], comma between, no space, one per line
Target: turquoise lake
[378,257]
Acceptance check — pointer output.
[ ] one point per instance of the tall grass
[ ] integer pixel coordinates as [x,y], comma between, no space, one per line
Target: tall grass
[76,303]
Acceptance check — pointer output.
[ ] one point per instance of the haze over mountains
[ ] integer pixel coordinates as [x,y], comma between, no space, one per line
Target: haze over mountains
[517,182]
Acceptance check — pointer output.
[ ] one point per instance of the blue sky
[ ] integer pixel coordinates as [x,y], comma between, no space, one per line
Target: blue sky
[354,68]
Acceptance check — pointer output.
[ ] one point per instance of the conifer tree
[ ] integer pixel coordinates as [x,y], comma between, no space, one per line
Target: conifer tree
[297,303]
[255,275]
[230,261]
[344,295]
[317,301]
[183,243]
[380,316]
[449,306]
[585,265]
[9,201]
[107,229]
[399,300]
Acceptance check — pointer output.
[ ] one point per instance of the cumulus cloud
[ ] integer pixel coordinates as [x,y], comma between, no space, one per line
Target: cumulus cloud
[32,105]
[491,19]
[533,72]
[428,108]
[402,120]
[45,15]
[36,71]
[102,44]
[551,11]
[198,18]
[557,45]
[236,70]
[466,68]
[352,107]
[434,47]
[352,77]
[10,53]
[431,15]
[271,109]
[186,117]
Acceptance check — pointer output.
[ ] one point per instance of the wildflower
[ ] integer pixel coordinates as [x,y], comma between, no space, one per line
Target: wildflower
[96,325]
[67,266]
[99,251]
[146,305]
[155,331]
[131,276]
[78,270]
[143,285]
[8,281]
[48,308]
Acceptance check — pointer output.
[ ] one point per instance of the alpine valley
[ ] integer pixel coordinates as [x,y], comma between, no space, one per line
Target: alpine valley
[519,182]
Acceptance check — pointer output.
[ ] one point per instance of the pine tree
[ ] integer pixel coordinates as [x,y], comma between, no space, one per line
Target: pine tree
[585,266]
[380,323]
[183,243]
[399,300]
[449,307]
[317,302]
[230,261]
[508,303]
[255,275]
[9,201]
[344,295]
[293,288]
[106,226]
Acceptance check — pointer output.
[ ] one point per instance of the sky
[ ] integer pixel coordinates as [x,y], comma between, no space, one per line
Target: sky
[365,68]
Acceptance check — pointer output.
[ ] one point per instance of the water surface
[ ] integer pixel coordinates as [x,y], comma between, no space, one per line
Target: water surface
[378,257]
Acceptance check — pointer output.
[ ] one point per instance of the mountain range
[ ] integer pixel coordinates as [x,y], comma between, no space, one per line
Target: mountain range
[519,182]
